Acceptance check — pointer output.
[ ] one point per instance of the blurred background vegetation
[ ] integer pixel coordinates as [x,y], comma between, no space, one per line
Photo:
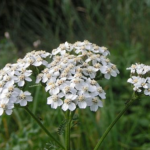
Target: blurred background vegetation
[122,26]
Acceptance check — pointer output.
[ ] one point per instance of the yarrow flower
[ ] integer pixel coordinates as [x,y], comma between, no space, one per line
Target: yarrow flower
[139,78]
[71,76]
[14,76]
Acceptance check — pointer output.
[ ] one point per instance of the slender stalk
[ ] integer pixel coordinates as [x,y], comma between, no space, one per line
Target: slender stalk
[42,126]
[69,116]
[67,131]
[38,88]
[113,123]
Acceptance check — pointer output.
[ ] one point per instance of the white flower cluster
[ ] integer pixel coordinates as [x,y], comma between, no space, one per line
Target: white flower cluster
[13,78]
[70,77]
[139,78]
[35,58]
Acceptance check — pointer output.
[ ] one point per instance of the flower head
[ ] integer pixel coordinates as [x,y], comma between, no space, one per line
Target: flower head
[72,73]
[69,77]
[139,78]
[14,76]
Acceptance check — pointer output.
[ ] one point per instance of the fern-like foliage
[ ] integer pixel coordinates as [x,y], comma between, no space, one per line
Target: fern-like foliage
[61,128]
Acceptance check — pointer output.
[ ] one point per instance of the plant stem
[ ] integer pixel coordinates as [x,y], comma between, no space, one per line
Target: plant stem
[38,88]
[69,116]
[67,131]
[113,123]
[42,126]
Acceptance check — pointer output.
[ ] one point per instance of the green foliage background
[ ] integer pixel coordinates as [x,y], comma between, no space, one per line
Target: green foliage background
[122,26]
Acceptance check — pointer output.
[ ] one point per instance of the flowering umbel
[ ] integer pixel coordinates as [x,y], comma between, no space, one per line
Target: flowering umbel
[13,78]
[140,78]
[70,77]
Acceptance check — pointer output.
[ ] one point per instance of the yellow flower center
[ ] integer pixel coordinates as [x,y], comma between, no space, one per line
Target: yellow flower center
[60,82]
[93,82]
[133,66]
[143,84]
[135,80]
[53,86]
[67,88]
[3,106]
[89,70]
[85,88]
[22,96]
[81,98]
[107,60]
[45,70]
[99,90]
[55,98]
[39,59]
[95,100]
[8,78]
[1,84]
[108,70]
[68,101]
[8,95]
[78,75]
[11,89]
[76,81]
[113,67]
[97,65]
[48,76]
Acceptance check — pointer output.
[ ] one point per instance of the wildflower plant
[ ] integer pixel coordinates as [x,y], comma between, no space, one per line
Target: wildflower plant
[71,75]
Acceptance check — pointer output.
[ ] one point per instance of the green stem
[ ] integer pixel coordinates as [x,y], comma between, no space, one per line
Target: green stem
[67,131]
[42,126]
[36,99]
[113,123]
[69,116]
